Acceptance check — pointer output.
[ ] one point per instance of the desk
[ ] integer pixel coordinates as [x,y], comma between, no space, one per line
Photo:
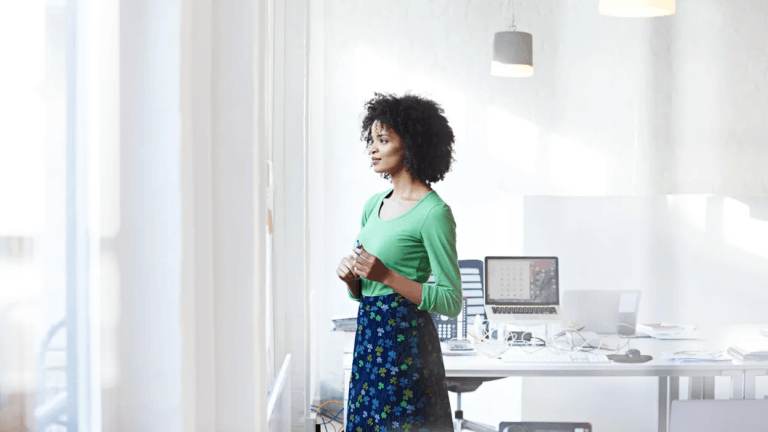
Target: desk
[701,375]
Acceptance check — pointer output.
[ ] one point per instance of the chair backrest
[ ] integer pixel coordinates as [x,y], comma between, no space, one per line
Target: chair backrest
[472,286]
[747,415]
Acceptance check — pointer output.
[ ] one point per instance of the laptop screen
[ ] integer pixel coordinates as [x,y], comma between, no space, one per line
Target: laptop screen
[521,281]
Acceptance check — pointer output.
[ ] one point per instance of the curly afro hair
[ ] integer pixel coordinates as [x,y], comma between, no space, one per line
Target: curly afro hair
[426,137]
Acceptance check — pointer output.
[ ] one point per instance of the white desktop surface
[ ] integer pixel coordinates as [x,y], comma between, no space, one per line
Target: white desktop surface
[712,338]
[742,373]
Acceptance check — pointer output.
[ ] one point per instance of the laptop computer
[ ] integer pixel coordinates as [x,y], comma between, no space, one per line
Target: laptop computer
[603,311]
[523,290]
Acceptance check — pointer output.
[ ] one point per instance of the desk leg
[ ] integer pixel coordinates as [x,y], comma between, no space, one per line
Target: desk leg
[709,387]
[674,389]
[663,404]
[750,382]
[695,388]
[674,394]
[737,383]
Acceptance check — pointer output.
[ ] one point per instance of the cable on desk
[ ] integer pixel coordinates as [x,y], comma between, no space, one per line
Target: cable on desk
[329,413]
[584,346]
[326,421]
[542,345]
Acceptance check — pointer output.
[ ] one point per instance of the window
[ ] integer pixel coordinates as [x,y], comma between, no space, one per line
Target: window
[41,231]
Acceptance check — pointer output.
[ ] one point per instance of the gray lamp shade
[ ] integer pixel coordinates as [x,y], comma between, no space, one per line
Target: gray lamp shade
[512,54]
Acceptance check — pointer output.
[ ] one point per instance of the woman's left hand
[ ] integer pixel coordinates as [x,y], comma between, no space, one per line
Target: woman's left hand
[368,266]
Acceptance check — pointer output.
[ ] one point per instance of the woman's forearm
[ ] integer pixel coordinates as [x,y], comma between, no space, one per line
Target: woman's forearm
[409,289]
[354,288]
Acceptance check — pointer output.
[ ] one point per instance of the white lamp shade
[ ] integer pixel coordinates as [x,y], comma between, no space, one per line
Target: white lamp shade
[512,54]
[637,8]
[511,70]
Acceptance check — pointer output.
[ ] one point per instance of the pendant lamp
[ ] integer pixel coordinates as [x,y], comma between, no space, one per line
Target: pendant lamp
[512,52]
[637,8]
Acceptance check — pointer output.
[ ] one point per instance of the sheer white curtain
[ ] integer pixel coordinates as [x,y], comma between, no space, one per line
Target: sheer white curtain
[52,112]
[33,203]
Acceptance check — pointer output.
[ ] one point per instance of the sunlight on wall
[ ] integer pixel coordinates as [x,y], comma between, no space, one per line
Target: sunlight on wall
[690,208]
[575,169]
[512,140]
[374,73]
[500,217]
[511,220]
[742,231]
[23,121]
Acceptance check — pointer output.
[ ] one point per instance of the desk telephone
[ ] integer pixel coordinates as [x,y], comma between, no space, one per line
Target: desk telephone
[451,328]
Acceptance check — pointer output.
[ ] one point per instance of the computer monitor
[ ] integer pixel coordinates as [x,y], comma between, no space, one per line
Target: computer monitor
[522,289]
[602,311]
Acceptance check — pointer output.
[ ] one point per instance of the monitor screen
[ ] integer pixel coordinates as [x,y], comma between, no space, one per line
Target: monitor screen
[521,281]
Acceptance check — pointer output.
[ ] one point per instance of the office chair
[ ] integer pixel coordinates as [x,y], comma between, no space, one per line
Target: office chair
[461,385]
[738,415]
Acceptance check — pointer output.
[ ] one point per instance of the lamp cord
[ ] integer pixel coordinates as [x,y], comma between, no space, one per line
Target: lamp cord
[513,27]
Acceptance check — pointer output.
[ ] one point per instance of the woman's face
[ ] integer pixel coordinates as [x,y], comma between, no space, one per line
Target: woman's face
[387,147]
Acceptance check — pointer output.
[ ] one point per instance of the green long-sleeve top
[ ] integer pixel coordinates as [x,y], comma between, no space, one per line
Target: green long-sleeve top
[418,243]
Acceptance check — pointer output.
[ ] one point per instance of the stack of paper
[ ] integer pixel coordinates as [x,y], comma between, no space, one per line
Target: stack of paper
[669,331]
[347,324]
[743,352]
[449,352]
[698,357]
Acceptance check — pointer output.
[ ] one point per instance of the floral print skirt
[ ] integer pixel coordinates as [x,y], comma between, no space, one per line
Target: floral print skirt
[398,378]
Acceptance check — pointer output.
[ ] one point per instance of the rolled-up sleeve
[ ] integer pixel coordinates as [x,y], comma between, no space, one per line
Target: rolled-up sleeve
[439,235]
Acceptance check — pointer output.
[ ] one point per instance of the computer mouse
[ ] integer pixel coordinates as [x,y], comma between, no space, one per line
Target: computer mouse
[633,353]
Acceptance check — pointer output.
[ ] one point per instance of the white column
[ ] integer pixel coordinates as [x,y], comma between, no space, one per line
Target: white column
[148,240]
[190,245]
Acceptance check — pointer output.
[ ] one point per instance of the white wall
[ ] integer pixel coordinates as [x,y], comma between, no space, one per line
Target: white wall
[616,108]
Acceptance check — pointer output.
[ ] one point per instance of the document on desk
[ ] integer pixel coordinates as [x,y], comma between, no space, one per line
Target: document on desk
[692,356]
[459,353]
[346,323]
[669,331]
[449,352]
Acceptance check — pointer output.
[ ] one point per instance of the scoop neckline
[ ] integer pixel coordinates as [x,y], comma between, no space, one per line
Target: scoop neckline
[378,207]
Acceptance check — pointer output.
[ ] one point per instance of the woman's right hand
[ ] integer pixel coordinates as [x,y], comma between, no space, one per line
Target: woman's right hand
[345,272]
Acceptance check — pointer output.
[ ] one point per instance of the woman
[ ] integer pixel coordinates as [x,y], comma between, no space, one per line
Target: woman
[407,233]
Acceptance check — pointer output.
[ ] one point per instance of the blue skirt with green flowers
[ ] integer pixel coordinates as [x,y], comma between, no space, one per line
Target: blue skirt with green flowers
[398,377]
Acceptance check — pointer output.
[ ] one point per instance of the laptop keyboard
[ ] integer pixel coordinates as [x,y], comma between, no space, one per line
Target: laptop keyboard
[546,310]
